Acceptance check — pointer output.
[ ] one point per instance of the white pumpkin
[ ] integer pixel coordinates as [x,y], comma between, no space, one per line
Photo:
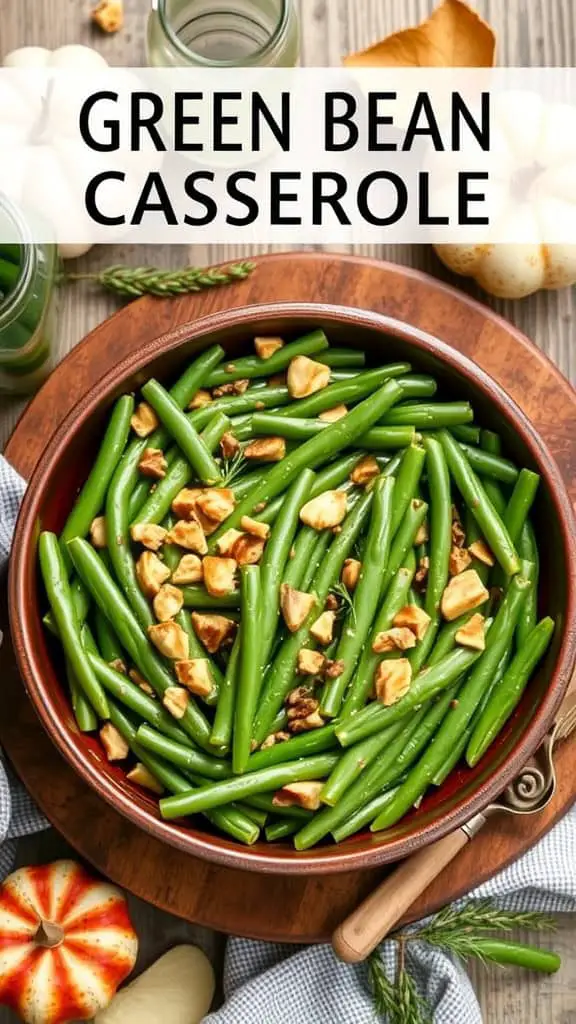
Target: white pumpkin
[177,989]
[532,165]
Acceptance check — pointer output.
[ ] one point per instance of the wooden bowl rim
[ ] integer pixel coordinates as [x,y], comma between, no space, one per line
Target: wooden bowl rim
[214,848]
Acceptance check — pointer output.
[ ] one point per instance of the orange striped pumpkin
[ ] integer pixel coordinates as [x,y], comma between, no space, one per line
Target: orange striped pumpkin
[66,943]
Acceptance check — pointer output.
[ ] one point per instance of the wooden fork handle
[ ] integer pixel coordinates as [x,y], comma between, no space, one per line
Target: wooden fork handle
[365,928]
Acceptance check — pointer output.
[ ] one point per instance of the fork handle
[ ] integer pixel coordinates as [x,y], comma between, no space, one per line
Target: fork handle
[365,928]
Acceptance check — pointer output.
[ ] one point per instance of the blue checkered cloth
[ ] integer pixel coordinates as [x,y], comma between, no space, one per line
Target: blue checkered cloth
[272,984]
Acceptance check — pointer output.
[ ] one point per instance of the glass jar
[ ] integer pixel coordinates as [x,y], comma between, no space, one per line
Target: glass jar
[223,33]
[27,286]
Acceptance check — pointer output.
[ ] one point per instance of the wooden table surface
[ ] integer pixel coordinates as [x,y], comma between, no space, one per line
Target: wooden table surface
[530,32]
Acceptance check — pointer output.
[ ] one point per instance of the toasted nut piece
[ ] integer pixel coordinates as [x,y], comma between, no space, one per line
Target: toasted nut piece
[313,721]
[144,420]
[225,545]
[266,449]
[295,605]
[196,676]
[113,742]
[151,573]
[219,575]
[254,528]
[142,777]
[305,377]
[323,629]
[459,560]
[299,794]
[325,511]
[333,669]
[277,380]
[230,367]
[332,603]
[270,741]
[458,534]
[168,602]
[392,680]
[295,697]
[153,463]
[141,682]
[302,710]
[400,638]
[118,666]
[184,504]
[351,573]
[229,445]
[248,550]
[331,415]
[176,699]
[283,737]
[365,471]
[188,535]
[235,387]
[208,525]
[201,398]
[216,504]
[413,618]
[422,535]
[148,534]
[463,593]
[421,574]
[266,347]
[170,639]
[310,663]
[98,532]
[472,634]
[108,15]
[482,552]
[212,630]
[188,570]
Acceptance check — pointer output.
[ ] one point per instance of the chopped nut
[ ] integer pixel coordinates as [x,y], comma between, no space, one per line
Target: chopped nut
[235,387]
[216,504]
[176,700]
[459,560]
[365,471]
[248,550]
[188,535]
[282,737]
[151,573]
[413,618]
[270,741]
[212,630]
[472,633]
[482,552]
[230,368]
[277,380]
[306,707]
[108,15]
[323,629]
[142,777]
[266,449]
[148,534]
[351,573]
[305,377]
[153,463]
[400,638]
[168,602]
[463,593]
[313,721]
[333,669]
[332,603]
[184,504]
[196,676]
[141,682]
[260,506]
[229,445]
[170,639]
[422,536]
[225,545]
[254,528]
[392,680]
[118,665]
[188,571]
[421,574]
[266,347]
[295,697]
[201,398]
[296,606]
[219,575]
[310,663]
[113,742]
[98,532]
[325,511]
[144,420]
[332,415]
[299,794]
[458,534]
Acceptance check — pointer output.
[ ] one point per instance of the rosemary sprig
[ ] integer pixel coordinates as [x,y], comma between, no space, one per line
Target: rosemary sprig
[134,282]
[232,468]
[341,591]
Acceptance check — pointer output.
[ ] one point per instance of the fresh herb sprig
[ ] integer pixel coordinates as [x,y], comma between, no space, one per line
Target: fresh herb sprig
[134,282]
[232,468]
[340,591]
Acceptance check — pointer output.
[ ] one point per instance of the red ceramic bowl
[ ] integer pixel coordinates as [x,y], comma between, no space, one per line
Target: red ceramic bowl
[64,467]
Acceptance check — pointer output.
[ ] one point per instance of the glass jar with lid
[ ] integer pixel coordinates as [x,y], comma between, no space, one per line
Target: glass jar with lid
[223,33]
[27,288]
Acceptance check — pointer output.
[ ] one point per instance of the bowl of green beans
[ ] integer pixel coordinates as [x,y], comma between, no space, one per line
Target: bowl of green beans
[293,588]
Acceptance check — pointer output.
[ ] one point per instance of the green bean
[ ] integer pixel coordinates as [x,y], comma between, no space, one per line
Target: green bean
[258,817]
[183,432]
[123,689]
[220,793]
[493,529]
[238,405]
[334,476]
[248,666]
[265,801]
[420,737]
[404,539]
[417,385]
[377,439]
[184,756]
[492,444]
[108,644]
[529,551]
[363,816]
[214,431]
[186,387]
[317,741]
[430,416]
[119,548]
[521,502]
[507,697]
[80,602]
[118,612]
[86,718]
[342,357]
[252,366]
[59,596]
[221,735]
[503,952]
[355,761]
[91,498]
[316,451]
[281,830]
[344,392]
[467,434]
[196,596]
[492,466]
[407,480]
[302,555]
[473,534]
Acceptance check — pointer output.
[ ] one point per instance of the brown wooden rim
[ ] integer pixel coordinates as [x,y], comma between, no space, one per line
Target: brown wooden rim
[212,848]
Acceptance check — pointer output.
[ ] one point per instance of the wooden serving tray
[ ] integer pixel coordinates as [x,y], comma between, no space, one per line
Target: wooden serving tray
[281,909]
